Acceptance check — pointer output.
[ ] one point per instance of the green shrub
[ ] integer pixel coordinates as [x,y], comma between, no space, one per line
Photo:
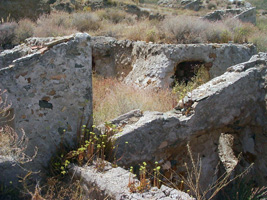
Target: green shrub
[218,33]
[241,34]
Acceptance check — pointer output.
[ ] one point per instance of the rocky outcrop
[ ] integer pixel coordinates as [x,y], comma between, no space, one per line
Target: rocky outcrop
[147,64]
[50,90]
[194,5]
[248,15]
[220,14]
[168,3]
[155,65]
[227,114]
[113,184]
[244,15]
[112,57]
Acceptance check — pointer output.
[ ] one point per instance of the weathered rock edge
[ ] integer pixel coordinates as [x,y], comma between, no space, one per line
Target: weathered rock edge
[50,91]
[144,64]
[233,103]
[113,184]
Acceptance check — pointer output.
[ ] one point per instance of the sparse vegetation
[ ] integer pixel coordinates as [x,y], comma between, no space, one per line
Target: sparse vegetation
[113,98]
[12,146]
[182,88]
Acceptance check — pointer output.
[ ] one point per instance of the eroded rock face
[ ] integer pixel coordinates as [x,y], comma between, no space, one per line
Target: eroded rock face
[155,65]
[50,90]
[244,15]
[147,64]
[234,104]
[194,5]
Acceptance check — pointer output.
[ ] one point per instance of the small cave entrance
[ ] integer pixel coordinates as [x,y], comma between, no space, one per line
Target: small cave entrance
[93,65]
[186,70]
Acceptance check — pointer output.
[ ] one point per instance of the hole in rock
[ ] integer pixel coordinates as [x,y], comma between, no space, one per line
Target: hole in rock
[185,71]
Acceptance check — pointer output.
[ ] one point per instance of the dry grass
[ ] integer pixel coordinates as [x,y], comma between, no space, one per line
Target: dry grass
[117,23]
[24,30]
[85,21]
[181,89]
[113,98]
[142,31]
[56,24]
[11,145]
[58,189]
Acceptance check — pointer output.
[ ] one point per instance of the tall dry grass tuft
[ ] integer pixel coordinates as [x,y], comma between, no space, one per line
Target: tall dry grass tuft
[55,24]
[142,30]
[181,89]
[12,146]
[112,98]
[85,21]
[24,30]
[184,29]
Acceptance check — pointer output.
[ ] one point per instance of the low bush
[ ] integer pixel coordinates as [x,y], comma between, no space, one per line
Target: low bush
[218,33]
[262,23]
[144,31]
[212,6]
[85,21]
[24,30]
[7,33]
[114,15]
[56,24]
[184,29]
[260,40]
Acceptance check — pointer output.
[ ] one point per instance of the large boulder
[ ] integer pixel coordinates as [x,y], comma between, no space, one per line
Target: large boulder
[220,119]
[244,15]
[50,91]
[194,5]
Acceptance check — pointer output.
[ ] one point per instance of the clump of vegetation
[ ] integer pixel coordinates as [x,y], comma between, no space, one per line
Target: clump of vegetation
[85,21]
[24,30]
[7,33]
[113,98]
[56,24]
[183,27]
[11,145]
[182,88]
